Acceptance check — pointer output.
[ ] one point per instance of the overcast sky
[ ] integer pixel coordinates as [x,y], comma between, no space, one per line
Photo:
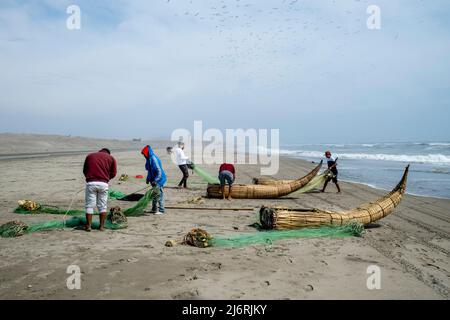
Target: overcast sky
[312,68]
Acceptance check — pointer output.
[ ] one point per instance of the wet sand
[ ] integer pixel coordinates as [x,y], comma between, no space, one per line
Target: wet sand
[411,246]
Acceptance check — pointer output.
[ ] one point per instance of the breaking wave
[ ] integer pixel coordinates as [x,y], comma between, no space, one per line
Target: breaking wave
[428,158]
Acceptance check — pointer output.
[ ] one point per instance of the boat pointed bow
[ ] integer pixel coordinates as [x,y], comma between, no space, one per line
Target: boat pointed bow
[401,186]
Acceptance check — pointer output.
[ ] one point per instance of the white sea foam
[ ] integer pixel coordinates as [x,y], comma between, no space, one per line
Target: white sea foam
[427,158]
[439,144]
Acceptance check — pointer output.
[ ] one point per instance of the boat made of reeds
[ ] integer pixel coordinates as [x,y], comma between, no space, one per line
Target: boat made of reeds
[265,180]
[256,191]
[284,218]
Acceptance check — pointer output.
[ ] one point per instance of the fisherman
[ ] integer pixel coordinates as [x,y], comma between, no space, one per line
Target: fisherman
[156,177]
[99,168]
[182,162]
[227,173]
[332,164]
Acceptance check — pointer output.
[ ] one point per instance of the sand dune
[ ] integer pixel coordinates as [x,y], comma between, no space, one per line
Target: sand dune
[14,144]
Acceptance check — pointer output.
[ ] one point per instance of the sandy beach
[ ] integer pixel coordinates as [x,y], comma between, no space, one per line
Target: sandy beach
[411,246]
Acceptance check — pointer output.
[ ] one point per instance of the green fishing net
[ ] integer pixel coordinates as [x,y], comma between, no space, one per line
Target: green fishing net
[114,194]
[50,210]
[139,208]
[16,228]
[205,175]
[315,183]
[136,210]
[71,223]
[352,229]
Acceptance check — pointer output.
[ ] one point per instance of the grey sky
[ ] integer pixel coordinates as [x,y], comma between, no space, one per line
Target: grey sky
[310,68]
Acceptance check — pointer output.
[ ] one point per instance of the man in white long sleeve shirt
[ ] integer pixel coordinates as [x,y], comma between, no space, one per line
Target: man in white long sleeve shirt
[182,162]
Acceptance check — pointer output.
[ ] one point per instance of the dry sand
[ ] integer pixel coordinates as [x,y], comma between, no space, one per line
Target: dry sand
[411,246]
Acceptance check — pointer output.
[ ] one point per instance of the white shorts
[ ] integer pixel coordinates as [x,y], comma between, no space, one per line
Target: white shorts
[96,196]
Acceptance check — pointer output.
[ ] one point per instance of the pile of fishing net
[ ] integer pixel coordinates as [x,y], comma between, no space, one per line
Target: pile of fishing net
[117,217]
[13,229]
[200,238]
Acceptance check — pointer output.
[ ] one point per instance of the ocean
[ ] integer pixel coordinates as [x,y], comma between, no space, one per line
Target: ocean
[380,165]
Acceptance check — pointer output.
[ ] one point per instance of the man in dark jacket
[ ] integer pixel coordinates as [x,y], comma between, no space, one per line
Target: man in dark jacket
[331,162]
[156,177]
[99,168]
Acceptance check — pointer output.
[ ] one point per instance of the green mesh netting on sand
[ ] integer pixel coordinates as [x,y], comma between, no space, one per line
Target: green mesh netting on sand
[114,194]
[136,210]
[50,210]
[352,229]
[15,228]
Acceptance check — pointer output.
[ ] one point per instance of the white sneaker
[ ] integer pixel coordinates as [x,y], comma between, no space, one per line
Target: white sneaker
[159,213]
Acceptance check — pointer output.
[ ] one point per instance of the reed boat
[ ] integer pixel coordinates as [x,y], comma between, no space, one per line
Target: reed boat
[271,181]
[284,218]
[257,191]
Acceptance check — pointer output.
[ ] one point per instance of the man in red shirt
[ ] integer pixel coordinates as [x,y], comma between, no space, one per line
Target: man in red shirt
[99,168]
[227,173]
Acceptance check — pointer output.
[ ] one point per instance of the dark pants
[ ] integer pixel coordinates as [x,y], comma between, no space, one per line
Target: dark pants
[335,181]
[334,178]
[158,199]
[184,169]
[226,177]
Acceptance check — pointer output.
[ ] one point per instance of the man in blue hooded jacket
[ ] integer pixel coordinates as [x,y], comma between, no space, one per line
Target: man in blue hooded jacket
[156,177]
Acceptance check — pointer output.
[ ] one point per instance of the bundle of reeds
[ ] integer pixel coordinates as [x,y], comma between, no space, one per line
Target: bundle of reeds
[285,218]
[270,181]
[256,191]
[265,180]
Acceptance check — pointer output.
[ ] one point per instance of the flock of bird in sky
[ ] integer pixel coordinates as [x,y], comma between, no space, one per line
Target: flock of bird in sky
[271,36]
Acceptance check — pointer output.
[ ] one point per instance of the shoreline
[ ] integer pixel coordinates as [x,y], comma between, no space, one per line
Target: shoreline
[383,189]
[371,185]
[34,155]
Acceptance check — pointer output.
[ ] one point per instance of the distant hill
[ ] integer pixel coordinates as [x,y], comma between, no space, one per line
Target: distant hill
[12,143]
